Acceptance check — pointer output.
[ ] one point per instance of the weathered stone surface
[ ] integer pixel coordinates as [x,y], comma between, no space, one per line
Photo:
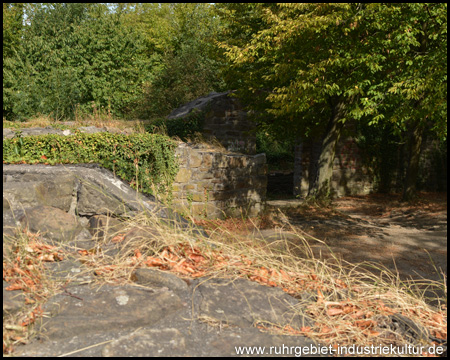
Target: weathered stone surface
[105,308]
[44,192]
[9,133]
[158,278]
[145,234]
[211,342]
[195,160]
[13,301]
[10,218]
[105,203]
[71,272]
[244,303]
[103,226]
[184,175]
[100,187]
[198,104]
[51,222]
[149,342]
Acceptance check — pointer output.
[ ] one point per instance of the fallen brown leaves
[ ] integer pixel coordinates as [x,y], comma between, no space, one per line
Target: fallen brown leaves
[337,319]
[342,319]
[24,272]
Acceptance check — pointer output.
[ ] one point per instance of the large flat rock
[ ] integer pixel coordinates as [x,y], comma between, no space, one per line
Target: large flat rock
[245,303]
[85,309]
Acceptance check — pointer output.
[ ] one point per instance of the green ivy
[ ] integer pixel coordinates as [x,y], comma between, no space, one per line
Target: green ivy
[146,161]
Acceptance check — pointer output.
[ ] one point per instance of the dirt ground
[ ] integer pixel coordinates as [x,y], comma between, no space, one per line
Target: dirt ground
[408,239]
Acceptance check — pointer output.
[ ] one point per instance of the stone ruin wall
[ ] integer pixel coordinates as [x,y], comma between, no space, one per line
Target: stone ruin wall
[211,182]
[214,184]
[227,122]
[350,176]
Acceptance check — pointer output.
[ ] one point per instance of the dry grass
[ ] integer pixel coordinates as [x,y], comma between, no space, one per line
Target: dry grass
[24,256]
[347,302]
[99,118]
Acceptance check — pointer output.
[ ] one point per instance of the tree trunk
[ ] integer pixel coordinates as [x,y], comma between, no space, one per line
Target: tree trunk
[321,186]
[298,170]
[412,172]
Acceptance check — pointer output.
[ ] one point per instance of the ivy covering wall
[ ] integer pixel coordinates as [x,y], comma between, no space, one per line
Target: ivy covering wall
[146,161]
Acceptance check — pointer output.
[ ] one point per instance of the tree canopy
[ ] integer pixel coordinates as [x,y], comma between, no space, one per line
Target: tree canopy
[134,59]
[308,63]
[310,68]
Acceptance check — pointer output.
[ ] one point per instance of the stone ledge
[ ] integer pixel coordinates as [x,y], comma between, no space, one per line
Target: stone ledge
[93,178]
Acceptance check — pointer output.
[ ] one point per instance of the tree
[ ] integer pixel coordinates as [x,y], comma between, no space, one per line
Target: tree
[72,55]
[12,27]
[419,78]
[185,68]
[312,67]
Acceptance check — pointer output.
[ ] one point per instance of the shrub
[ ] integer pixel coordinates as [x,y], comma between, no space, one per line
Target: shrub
[143,160]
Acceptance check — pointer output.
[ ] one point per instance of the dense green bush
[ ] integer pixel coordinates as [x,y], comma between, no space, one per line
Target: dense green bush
[69,57]
[189,67]
[143,160]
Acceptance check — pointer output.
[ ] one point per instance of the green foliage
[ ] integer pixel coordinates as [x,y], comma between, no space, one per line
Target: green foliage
[143,160]
[73,54]
[137,60]
[279,153]
[375,62]
[12,27]
[188,68]
[290,57]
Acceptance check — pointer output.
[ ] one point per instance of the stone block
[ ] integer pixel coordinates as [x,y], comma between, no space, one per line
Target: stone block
[56,193]
[92,199]
[183,176]
[262,170]
[259,159]
[198,197]
[158,279]
[195,159]
[207,188]
[222,161]
[198,175]
[51,222]
[101,226]
[209,210]
[207,160]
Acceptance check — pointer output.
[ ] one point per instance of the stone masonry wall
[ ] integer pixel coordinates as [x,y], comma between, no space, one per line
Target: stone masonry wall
[225,120]
[210,182]
[213,184]
[228,123]
[350,177]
